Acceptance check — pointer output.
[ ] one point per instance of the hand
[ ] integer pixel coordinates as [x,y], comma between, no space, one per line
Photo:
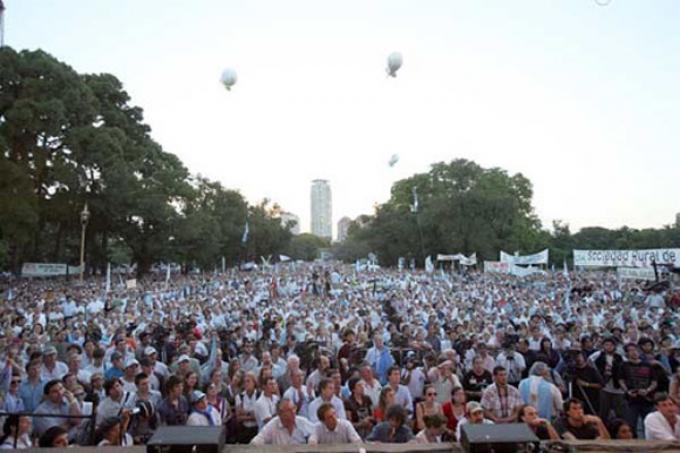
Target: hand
[540,422]
[642,392]
[591,419]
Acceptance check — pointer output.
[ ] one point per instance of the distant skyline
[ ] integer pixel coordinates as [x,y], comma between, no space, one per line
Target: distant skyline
[582,99]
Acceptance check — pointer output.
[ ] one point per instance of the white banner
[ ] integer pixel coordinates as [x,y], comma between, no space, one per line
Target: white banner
[520,271]
[496,267]
[626,258]
[636,273]
[468,260]
[537,258]
[48,269]
[442,257]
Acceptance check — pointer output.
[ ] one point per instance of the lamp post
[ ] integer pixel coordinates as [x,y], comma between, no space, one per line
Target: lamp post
[84,218]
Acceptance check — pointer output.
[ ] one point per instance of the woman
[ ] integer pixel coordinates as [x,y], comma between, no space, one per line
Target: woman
[216,400]
[541,427]
[428,407]
[552,357]
[190,384]
[620,429]
[55,437]
[454,409]
[112,431]
[23,440]
[245,409]
[386,400]
[359,408]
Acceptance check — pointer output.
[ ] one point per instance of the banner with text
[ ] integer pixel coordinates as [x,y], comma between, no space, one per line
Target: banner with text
[626,258]
[537,258]
[496,267]
[636,273]
[48,269]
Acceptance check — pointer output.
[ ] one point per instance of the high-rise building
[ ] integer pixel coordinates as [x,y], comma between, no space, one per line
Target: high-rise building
[322,210]
[290,217]
[677,220]
[343,227]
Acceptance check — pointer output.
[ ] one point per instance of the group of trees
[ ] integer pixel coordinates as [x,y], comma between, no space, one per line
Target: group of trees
[465,208]
[67,139]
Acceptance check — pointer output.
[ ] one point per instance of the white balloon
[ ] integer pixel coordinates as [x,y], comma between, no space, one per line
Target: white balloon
[393,160]
[228,78]
[394,61]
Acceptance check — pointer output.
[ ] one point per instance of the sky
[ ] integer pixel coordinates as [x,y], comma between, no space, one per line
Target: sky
[582,99]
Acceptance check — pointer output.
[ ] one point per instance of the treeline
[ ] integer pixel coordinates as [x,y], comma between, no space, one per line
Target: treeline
[67,139]
[465,208]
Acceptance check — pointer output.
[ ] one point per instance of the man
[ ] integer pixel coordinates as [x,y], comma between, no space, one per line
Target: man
[155,379]
[116,400]
[299,394]
[131,371]
[158,367]
[394,429]
[331,430]
[174,409]
[512,361]
[247,360]
[380,358]
[540,393]
[575,425]
[13,402]
[474,414]
[96,364]
[443,379]
[588,383]
[202,414]
[326,395]
[144,392]
[402,396]
[413,377]
[476,380]
[323,364]
[75,367]
[293,364]
[31,389]
[265,406]
[638,381]
[116,370]
[286,428]
[52,368]
[608,363]
[279,365]
[57,401]
[664,423]
[501,402]
[372,387]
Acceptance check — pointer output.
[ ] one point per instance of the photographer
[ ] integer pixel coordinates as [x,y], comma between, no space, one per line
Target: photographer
[112,432]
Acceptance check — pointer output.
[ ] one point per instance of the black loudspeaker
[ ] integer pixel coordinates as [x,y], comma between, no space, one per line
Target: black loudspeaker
[185,439]
[508,437]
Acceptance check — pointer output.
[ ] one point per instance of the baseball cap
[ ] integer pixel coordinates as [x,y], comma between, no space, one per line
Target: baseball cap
[131,362]
[183,358]
[472,407]
[50,350]
[150,350]
[196,396]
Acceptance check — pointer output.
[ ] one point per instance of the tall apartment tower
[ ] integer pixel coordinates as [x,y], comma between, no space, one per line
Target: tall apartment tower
[343,228]
[321,209]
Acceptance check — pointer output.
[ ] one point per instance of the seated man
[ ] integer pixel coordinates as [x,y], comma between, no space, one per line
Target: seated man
[394,429]
[474,414]
[286,428]
[664,423]
[575,425]
[332,430]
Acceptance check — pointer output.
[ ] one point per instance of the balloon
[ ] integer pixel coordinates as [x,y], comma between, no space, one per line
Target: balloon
[394,61]
[228,78]
[393,160]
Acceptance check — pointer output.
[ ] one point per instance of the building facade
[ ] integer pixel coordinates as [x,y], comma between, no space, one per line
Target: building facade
[343,227]
[322,209]
[290,217]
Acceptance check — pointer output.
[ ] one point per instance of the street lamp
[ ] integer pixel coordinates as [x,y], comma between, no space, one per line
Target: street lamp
[84,218]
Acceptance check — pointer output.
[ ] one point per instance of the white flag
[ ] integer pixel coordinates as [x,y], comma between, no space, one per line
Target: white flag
[108,278]
[284,258]
[429,265]
[414,206]
[246,230]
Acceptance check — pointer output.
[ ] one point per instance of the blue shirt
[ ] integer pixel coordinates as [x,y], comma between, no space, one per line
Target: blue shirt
[31,394]
[113,372]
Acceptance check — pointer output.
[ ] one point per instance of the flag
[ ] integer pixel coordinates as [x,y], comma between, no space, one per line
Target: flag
[429,266]
[284,258]
[108,278]
[414,206]
[246,230]
[224,265]
[565,271]
[167,274]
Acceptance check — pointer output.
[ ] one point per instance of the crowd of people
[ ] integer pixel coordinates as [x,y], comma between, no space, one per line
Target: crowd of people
[322,353]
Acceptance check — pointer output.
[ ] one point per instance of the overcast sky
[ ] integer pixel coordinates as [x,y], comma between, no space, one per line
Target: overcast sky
[582,99]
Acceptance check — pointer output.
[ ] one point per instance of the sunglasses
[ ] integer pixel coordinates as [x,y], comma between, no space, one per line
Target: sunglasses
[432,394]
[16,381]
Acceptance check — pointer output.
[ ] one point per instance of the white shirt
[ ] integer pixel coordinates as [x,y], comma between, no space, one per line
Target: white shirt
[274,433]
[292,394]
[337,405]
[265,408]
[59,371]
[198,419]
[658,428]
[344,433]
[373,392]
